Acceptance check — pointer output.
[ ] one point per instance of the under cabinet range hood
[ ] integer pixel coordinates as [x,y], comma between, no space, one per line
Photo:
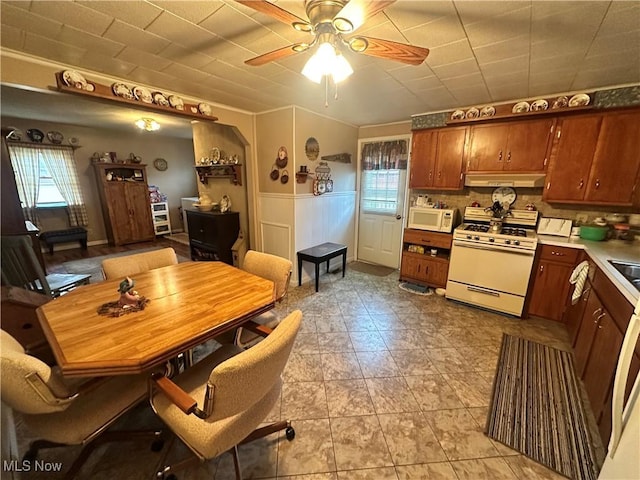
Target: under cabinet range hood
[504,179]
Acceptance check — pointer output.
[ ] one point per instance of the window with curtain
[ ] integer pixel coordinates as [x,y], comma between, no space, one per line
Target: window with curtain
[47,176]
[383,164]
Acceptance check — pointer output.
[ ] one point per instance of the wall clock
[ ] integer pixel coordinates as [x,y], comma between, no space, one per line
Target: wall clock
[504,195]
[160,164]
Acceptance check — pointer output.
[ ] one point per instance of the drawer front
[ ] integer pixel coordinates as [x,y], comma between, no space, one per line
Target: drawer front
[159,207]
[560,254]
[429,239]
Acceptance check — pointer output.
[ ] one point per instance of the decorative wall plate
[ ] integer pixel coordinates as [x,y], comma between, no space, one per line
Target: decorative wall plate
[204,109]
[560,102]
[160,99]
[520,107]
[55,137]
[176,102]
[142,94]
[579,100]
[312,148]
[160,164]
[457,115]
[472,113]
[15,134]
[488,111]
[122,91]
[74,79]
[539,105]
[35,135]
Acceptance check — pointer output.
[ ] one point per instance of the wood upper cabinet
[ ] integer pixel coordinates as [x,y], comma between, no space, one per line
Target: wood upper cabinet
[550,291]
[126,206]
[517,146]
[595,159]
[437,158]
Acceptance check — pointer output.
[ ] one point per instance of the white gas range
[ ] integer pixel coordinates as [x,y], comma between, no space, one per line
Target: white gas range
[490,268]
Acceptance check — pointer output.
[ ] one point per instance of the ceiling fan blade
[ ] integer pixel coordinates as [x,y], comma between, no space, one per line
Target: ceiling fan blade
[278,54]
[356,12]
[274,11]
[400,52]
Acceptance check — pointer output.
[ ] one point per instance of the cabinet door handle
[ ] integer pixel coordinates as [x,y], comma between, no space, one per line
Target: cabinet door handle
[541,268]
[581,184]
[597,183]
[509,157]
[559,254]
[500,156]
[603,314]
[596,312]
[439,174]
[585,294]
[425,241]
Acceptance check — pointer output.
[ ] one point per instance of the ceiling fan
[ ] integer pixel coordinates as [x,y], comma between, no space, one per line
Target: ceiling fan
[329,21]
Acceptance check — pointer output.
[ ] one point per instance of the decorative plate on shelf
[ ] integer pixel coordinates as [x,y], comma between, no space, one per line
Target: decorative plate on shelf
[122,91]
[204,109]
[160,99]
[15,134]
[488,111]
[73,141]
[560,102]
[55,137]
[142,94]
[520,107]
[35,135]
[457,115]
[74,79]
[539,105]
[472,113]
[579,100]
[160,164]
[176,102]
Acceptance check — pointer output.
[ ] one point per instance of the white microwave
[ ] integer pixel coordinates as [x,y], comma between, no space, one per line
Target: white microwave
[434,219]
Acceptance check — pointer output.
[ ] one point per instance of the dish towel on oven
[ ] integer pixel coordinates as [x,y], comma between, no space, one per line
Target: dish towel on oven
[578,277]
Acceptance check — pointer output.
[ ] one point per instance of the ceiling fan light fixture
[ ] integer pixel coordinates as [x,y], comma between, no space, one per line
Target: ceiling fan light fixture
[342,25]
[326,61]
[341,68]
[358,44]
[147,124]
[300,47]
[302,27]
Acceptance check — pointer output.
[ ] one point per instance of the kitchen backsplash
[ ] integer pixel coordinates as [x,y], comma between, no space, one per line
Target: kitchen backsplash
[482,195]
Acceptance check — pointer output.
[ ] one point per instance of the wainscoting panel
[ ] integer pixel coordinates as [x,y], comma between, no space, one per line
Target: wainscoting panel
[276,238]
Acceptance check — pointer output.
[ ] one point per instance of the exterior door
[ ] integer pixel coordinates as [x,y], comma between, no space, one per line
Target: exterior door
[383,186]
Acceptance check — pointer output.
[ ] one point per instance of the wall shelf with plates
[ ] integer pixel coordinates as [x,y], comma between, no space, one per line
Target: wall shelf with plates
[561,105]
[232,171]
[120,93]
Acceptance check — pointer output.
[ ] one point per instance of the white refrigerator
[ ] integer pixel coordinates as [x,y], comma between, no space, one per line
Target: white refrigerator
[623,457]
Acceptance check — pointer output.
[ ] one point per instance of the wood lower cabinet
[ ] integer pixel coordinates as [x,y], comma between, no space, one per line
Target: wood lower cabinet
[595,160]
[550,293]
[519,146]
[424,268]
[437,158]
[212,235]
[597,346]
[126,206]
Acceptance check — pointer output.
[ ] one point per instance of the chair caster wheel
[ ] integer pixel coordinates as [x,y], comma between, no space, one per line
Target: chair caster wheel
[157,445]
[290,433]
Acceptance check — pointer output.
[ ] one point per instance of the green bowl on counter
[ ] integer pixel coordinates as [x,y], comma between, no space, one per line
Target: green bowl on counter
[593,232]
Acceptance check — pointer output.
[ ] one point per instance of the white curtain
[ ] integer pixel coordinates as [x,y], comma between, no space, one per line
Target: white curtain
[62,167]
[26,166]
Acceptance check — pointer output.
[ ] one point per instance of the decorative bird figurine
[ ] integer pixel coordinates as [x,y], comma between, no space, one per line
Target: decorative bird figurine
[128,296]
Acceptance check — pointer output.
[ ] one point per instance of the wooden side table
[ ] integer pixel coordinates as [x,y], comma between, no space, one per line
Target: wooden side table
[319,254]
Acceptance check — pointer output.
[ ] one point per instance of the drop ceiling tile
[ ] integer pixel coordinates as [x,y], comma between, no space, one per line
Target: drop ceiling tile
[21,4]
[194,12]
[420,84]
[496,52]
[12,38]
[508,66]
[151,77]
[122,32]
[409,72]
[225,51]
[437,33]
[613,60]
[183,56]
[19,18]
[74,14]
[53,50]
[455,70]
[180,31]
[521,77]
[621,16]
[564,11]
[235,27]
[385,31]
[626,41]
[471,94]
[550,53]
[98,62]
[547,86]
[499,28]
[472,12]
[436,98]
[138,14]
[504,92]
[590,79]
[449,54]
[73,36]
[410,14]
[143,59]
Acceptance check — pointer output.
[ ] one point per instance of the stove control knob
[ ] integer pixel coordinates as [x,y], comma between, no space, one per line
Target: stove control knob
[476,237]
[507,242]
[491,239]
[516,242]
[468,237]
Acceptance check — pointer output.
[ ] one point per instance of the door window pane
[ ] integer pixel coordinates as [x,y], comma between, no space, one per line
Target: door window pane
[380,191]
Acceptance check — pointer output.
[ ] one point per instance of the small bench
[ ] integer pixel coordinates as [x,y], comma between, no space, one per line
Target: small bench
[321,253]
[75,234]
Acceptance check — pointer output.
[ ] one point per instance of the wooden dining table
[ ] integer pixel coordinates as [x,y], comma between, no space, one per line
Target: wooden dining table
[188,304]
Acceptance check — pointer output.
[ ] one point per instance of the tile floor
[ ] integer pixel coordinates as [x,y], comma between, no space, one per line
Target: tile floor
[382,384]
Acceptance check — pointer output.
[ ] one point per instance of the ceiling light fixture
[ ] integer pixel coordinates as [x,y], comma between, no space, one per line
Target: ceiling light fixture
[328,63]
[148,124]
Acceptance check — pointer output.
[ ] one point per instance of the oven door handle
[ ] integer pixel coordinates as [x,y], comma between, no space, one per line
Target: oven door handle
[482,290]
[495,248]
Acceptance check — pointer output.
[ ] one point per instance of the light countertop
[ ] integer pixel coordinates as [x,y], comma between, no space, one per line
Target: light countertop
[601,253]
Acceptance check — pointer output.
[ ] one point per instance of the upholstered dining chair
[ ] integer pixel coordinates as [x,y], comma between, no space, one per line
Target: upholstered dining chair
[59,413]
[128,265]
[237,389]
[21,268]
[271,267]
